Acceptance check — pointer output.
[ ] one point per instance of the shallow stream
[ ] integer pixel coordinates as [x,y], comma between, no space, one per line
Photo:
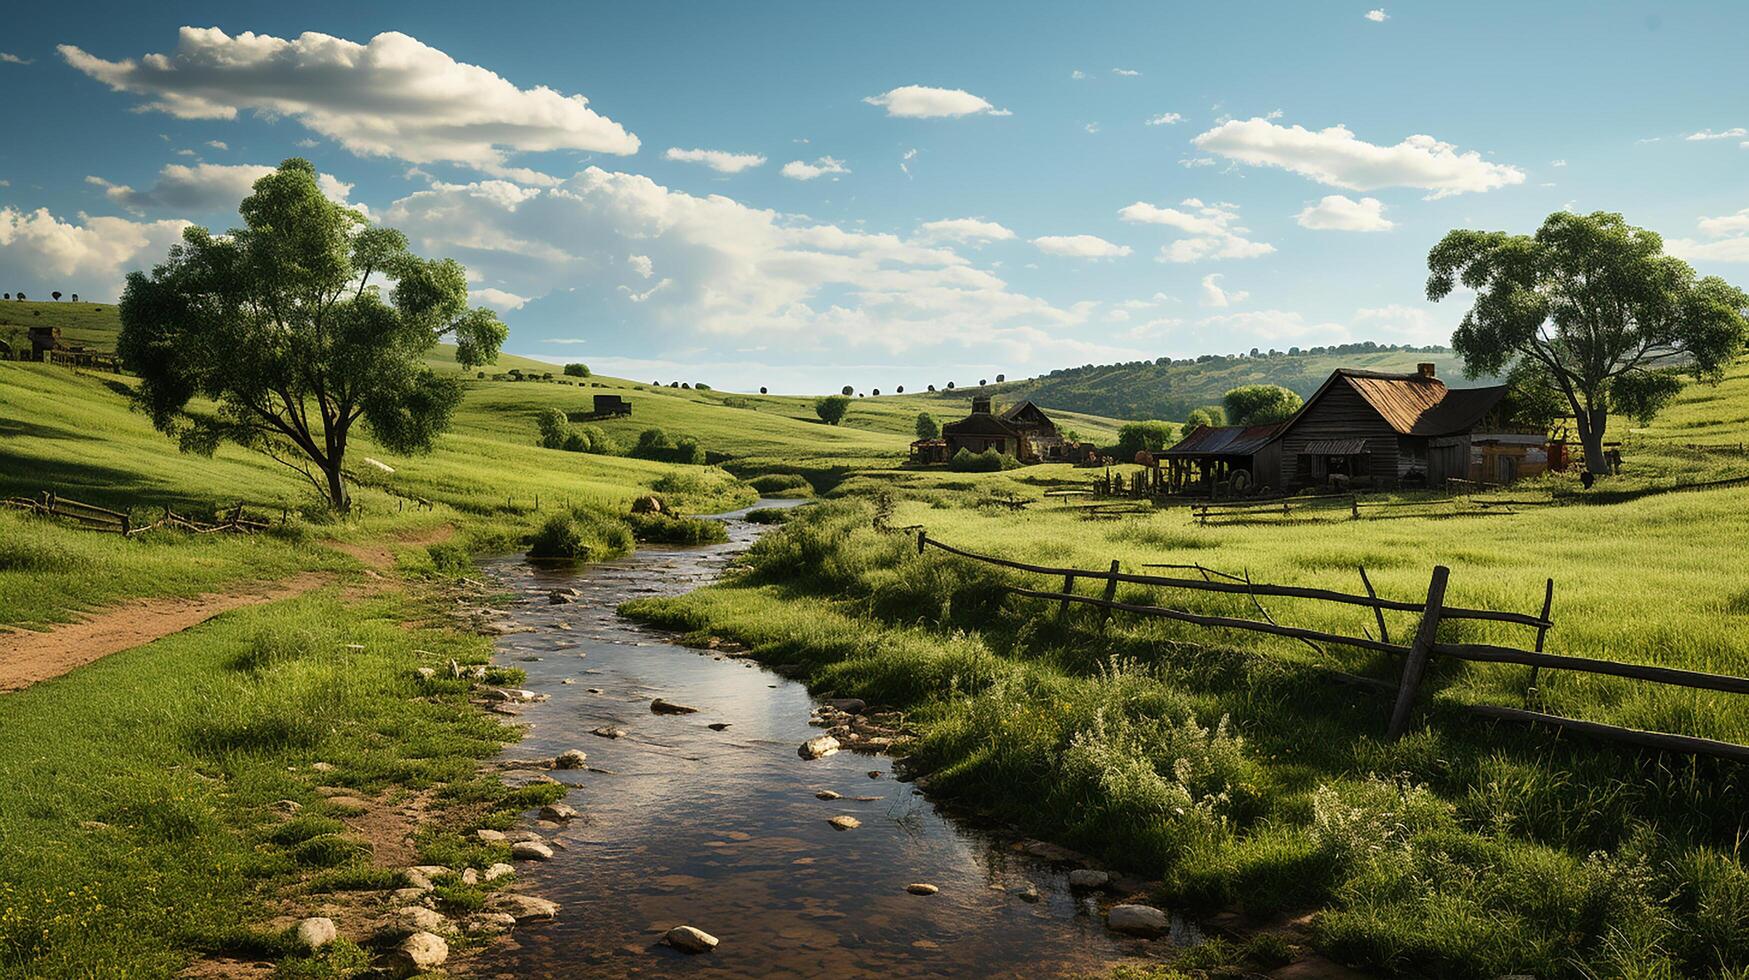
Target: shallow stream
[721,830]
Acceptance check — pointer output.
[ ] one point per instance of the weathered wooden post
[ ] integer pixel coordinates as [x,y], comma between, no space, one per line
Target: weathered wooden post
[1354,505]
[1542,632]
[1110,594]
[1378,614]
[1415,665]
[1068,589]
[922,539]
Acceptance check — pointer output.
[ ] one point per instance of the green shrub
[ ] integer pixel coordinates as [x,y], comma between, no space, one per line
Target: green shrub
[781,485]
[1135,437]
[576,442]
[832,408]
[988,461]
[663,529]
[581,534]
[554,427]
[1260,404]
[927,426]
[654,443]
[577,370]
[600,442]
[769,515]
[329,851]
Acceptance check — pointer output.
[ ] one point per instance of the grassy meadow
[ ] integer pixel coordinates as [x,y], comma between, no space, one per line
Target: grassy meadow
[1226,767]
[1229,767]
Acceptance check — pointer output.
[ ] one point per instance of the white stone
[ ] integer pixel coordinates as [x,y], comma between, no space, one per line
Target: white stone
[418,918]
[558,811]
[818,747]
[1142,920]
[527,906]
[690,940]
[315,932]
[921,888]
[844,822]
[571,759]
[527,850]
[417,953]
[1088,878]
[499,870]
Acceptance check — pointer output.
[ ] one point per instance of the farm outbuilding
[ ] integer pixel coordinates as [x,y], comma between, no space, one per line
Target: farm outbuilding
[983,430]
[1369,428]
[1363,429]
[1246,457]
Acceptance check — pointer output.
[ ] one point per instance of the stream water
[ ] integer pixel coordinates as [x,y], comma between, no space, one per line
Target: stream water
[721,830]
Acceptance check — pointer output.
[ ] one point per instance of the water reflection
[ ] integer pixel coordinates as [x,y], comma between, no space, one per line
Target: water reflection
[722,830]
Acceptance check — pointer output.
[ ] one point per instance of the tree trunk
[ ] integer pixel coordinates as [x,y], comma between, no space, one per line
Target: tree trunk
[338,498]
[1591,426]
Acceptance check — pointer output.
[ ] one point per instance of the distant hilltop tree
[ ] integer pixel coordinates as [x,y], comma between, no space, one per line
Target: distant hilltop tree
[56,295]
[982,382]
[1594,311]
[279,326]
[831,408]
[876,392]
[1001,378]
[899,390]
[932,388]
[75,297]
[577,370]
[950,386]
[847,391]
[762,390]
[21,297]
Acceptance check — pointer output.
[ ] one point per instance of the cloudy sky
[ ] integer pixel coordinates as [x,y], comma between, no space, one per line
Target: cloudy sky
[803,195]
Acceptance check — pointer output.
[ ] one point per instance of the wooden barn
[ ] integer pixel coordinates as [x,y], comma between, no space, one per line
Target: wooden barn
[1245,457]
[1371,429]
[983,430]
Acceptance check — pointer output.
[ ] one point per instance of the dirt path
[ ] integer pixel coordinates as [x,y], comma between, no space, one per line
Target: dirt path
[28,657]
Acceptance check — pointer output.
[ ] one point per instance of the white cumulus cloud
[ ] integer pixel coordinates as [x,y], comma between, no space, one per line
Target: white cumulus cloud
[964,230]
[1080,246]
[721,161]
[1126,73]
[1377,15]
[1728,240]
[802,170]
[498,299]
[1400,324]
[1735,132]
[1338,212]
[41,252]
[12,59]
[208,187]
[1213,295]
[1164,119]
[1334,156]
[1213,230]
[924,102]
[391,97]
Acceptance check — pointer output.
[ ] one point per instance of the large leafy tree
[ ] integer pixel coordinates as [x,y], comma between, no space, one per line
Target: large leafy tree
[285,327]
[1591,309]
[1260,404]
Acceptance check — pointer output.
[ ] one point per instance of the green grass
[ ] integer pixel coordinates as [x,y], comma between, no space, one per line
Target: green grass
[1229,767]
[152,834]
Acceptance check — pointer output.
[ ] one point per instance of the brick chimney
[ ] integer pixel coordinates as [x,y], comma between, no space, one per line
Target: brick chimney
[981,405]
[1425,369]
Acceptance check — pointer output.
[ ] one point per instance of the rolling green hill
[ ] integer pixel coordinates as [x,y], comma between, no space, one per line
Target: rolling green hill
[1153,390]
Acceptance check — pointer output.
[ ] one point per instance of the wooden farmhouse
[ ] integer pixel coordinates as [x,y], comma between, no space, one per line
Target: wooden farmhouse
[1364,429]
[1022,430]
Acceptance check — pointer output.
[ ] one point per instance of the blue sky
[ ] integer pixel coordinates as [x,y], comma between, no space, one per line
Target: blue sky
[989,187]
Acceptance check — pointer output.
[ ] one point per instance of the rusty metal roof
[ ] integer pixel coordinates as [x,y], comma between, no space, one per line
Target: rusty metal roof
[1225,440]
[1420,406]
[1335,447]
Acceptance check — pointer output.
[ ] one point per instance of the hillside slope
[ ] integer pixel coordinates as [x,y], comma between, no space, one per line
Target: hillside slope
[1149,390]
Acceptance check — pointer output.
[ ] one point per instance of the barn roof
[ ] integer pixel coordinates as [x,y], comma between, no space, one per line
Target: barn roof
[1018,411]
[980,424]
[1413,404]
[1225,440]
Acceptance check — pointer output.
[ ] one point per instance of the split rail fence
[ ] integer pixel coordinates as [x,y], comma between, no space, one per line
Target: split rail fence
[92,517]
[1423,648]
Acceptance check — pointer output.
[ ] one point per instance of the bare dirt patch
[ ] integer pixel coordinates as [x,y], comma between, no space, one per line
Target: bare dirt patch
[380,557]
[27,657]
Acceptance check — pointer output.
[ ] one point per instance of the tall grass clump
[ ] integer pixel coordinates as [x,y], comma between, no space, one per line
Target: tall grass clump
[581,534]
[782,485]
[988,461]
[669,529]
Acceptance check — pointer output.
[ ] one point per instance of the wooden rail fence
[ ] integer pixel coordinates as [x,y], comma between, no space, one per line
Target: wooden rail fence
[1425,646]
[51,504]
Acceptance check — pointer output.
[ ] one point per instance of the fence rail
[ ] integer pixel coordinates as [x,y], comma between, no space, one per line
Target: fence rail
[51,504]
[1416,657]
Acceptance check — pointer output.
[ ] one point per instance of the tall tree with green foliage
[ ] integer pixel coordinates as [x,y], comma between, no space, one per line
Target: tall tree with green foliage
[1260,404]
[831,408]
[927,426]
[1135,437]
[1211,415]
[285,326]
[1595,309]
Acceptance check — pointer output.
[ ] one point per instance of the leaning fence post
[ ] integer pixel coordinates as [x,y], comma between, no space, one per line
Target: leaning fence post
[922,538]
[1110,594]
[1377,612]
[1542,632]
[1068,588]
[1416,663]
